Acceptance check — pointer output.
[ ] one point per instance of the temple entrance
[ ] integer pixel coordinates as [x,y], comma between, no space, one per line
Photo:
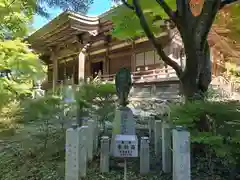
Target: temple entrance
[96,68]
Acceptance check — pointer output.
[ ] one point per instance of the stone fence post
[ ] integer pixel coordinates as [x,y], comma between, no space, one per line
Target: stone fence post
[166,148]
[90,139]
[144,156]
[76,153]
[181,154]
[158,138]
[104,156]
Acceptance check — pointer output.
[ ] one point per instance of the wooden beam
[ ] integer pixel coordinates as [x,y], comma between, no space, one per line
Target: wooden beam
[133,58]
[119,54]
[61,38]
[59,30]
[107,59]
[124,44]
[55,69]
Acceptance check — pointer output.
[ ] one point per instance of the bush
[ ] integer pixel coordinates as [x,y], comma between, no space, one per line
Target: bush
[218,133]
[97,100]
[38,109]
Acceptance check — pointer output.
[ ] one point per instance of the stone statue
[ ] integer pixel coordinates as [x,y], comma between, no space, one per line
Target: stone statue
[124,122]
[38,92]
[123,83]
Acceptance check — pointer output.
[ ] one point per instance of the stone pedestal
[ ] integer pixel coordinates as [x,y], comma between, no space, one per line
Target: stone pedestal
[181,154]
[144,156]
[104,157]
[124,123]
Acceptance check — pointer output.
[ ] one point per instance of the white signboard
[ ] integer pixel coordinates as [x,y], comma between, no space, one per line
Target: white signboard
[125,146]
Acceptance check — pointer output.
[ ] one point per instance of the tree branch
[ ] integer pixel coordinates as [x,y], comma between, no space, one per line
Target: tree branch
[127,4]
[152,38]
[205,21]
[226,2]
[168,10]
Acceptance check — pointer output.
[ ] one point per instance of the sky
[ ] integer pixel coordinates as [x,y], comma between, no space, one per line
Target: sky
[98,7]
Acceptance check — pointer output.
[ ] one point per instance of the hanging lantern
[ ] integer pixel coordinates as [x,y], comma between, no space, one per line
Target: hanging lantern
[196,6]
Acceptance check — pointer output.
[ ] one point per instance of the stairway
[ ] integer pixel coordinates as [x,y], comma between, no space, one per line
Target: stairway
[225,88]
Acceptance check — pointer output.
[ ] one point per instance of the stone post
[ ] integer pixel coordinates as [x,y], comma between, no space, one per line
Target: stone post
[90,139]
[166,148]
[104,157]
[181,154]
[158,138]
[151,126]
[76,154]
[144,156]
[96,133]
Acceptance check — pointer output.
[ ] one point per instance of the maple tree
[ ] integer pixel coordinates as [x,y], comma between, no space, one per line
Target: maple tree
[193,19]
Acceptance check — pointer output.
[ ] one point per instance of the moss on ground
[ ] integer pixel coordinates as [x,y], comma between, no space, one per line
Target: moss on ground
[23,156]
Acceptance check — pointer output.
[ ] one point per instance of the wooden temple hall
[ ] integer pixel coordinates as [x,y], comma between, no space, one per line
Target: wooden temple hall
[76,46]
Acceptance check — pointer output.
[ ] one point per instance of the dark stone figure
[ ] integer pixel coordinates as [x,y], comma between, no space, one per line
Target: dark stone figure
[123,83]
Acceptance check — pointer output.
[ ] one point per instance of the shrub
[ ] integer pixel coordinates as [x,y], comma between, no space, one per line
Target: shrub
[97,100]
[220,130]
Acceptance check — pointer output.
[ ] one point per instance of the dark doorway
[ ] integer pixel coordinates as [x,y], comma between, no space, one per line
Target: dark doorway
[96,67]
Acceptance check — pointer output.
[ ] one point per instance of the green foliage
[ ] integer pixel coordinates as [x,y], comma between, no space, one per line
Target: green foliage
[219,130]
[126,23]
[15,17]
[27,159]
[40,109]
[25,66]
[229,18]
[75,5]
[98,100]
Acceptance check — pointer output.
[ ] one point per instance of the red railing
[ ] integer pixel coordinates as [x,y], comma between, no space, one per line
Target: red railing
[164,74]
[155,75]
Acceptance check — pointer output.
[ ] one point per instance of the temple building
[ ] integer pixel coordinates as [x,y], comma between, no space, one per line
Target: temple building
[77,46]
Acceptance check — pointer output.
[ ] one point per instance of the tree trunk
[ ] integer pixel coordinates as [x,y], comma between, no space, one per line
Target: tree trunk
[195,80]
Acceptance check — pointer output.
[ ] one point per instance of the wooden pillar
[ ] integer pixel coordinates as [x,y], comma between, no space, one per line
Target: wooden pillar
[64,71]
[88,62]
[73,72]
[55,69]
[81,66]
[133,58]
[82,63]
[106,62]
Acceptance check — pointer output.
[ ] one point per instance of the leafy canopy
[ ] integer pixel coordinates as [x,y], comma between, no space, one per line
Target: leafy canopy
[127,26]
[24,65]
[229,18]
[15,17]
[126,23]
[15,55]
